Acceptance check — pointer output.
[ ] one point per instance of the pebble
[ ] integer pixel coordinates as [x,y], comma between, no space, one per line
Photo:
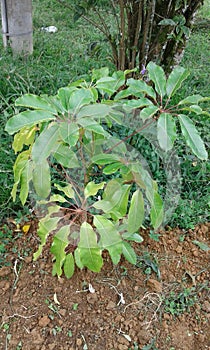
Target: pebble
[154,285]
[44,321]
[110,305]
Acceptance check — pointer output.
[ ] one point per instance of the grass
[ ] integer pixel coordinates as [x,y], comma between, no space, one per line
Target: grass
[63,57]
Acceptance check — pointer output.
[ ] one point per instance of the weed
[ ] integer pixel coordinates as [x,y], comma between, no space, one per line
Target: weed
[178,303]
[149,264]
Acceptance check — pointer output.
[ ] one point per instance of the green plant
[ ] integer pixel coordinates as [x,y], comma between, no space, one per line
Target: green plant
[70,134]
[177,303]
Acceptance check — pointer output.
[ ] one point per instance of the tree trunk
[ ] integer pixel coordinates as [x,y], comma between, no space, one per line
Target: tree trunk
[17,25]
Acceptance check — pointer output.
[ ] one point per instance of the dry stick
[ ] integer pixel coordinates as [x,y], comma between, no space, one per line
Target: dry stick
[148,295]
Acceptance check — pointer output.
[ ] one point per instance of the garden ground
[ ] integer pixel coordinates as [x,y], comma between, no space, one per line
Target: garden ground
[162,303]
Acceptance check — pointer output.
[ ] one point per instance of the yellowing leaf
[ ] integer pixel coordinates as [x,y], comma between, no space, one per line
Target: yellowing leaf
[26,228]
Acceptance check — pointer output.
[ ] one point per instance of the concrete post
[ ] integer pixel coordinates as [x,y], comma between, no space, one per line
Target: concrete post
[17,25]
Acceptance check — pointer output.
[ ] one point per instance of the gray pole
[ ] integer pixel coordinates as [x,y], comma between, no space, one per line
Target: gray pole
[17,25]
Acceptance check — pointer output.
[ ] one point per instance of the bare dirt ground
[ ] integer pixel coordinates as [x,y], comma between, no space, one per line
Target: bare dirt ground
[162,303]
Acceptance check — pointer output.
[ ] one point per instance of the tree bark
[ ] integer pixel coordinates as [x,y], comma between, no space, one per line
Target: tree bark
[17,25]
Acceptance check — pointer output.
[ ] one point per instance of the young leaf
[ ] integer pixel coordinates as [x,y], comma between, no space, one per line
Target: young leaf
[156,212]
[18,168]
[90,253]
[91,189]
[27,119]
[175,80]
[77,258]
[45,144]
[46,225]
[192,137]
[24,137]
[157,75]
[35,102]
[136,212]
[166,131]
[129,253]
[110,238]
[68,190]
[112,168]
[60,242]
[68,266]
[26,177]
[41,179]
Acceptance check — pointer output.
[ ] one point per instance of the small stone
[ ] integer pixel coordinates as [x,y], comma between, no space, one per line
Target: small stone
[79,342]
[44,321]
[179,249]
[110,305]
[206,306]
[62,312]
[201,338]
[51,346]
[195,253]
[92,298]
[154,285]
[28,259]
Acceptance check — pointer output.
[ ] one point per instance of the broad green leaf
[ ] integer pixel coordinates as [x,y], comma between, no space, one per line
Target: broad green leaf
[26,177]
[136,212]
[135,237]
[64,95]
[67,190]
[148,112]
[100,73]
[167,22]
[96,110]
[24,137]
[92,188]
[92,125]
[156,212]
[45,144]
[175,80]
[110,238]
[112,168]
[104,158]
[90,253]
[129,253]
[107,85]
[27,119]
[166,131]
[60,242]
[42,179]
[141,102]
[157,75]
[80,98]
[68,266]
[66,157]
[130,91]
[69,132]
[194,109]
[119,77]
[141,86]
[46,225]
[35,102]
[193,99]
[192,137]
